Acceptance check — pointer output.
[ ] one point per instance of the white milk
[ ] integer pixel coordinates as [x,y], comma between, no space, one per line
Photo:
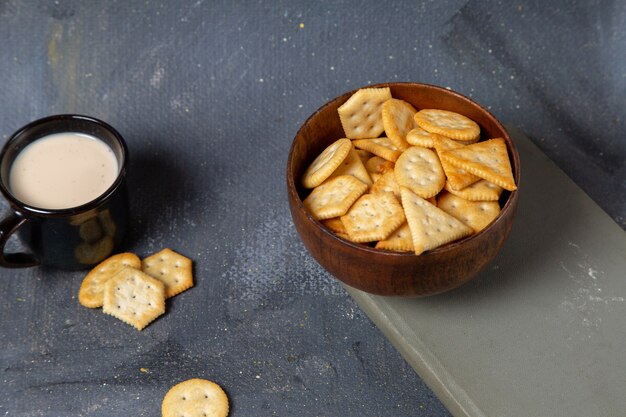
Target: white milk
[63,170]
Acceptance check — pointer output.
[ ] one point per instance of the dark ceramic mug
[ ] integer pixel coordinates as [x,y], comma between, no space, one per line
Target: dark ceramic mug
[68,238]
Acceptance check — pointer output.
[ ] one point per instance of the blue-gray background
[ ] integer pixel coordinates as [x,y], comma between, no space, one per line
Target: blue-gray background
[209,96]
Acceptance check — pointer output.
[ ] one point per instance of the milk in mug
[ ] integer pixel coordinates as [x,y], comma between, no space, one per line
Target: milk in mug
[63,170]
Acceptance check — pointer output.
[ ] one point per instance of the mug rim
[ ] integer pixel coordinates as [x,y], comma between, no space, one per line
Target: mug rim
[28,209]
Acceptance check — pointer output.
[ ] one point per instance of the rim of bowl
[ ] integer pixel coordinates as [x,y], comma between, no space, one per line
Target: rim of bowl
[514,159]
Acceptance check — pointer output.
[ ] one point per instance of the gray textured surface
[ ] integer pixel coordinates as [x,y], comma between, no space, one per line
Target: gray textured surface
[540,331]
[209,95]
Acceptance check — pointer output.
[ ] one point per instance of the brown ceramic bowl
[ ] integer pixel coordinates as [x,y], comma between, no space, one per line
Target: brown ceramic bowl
[393,273]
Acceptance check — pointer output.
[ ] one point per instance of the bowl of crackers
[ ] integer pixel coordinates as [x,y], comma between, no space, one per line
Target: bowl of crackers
[403,189]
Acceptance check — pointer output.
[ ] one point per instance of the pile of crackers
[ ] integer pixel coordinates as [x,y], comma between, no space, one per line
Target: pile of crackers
[406,180]
[134,290]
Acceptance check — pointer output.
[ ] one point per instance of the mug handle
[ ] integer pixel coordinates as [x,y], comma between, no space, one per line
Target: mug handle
[8,226]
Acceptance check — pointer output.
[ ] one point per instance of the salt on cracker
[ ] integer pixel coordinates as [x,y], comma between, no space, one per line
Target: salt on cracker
[475,214]
[398,121]
[195,398]
[420,170]
[326,162]
[421,137]
[386,184]
[382,147]
[430,226]
[91,292]
[447,123]
[488,159]
[134,297]
[400,240]
[457,177]
[361,115]
[482,190]
[373,217]
[334,197]
[172,269]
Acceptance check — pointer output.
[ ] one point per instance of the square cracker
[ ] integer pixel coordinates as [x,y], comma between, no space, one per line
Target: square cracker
[373,217]
[91,292]
[475,214]
[361,115]
[134,297]
[430,226]
[172,269]
[334,197]
[400,240]
[488,159]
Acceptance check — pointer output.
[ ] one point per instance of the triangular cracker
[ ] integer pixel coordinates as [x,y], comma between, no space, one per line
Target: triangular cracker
[488,160]
[475,214]
[361,115]
[457,177]
[430,226]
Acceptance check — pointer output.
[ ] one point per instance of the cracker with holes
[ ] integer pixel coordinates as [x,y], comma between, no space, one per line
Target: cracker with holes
[488,159]
[398,121]
[195,398]
[334,197]
[361,115]
[482,190]
[352,165]
[475,214]
[326,163]
[172,269]
[134,297]
[373,217]
[430,226]
[448,123]
[382,147]
[419,169]
[91,292]
[457,178]
[400,240]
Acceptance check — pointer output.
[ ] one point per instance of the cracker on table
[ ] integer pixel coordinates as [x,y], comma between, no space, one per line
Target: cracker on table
[398,121]
[382,147]
[361,115]
[447,123]
[481,190]
[458,178]
[134,297]
[195,398]
[400,240]
[420,170]
[430,226]
[352,165]
[373,217]
[488,159]
[91,292]
[475,214]
[326,162]
[172,269]
[334,197]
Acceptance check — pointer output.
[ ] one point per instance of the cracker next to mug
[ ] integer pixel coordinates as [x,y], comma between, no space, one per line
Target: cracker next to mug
[195,398]
[171,268]
[91,292]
